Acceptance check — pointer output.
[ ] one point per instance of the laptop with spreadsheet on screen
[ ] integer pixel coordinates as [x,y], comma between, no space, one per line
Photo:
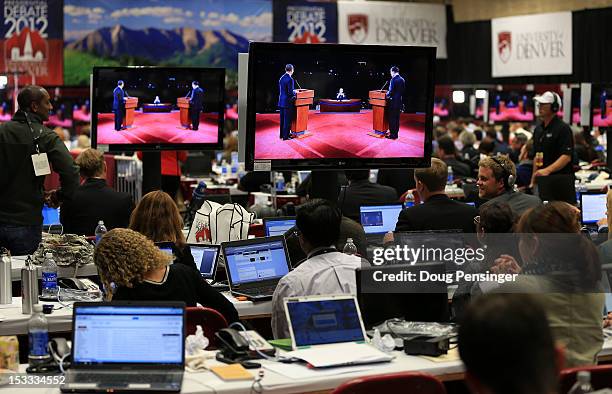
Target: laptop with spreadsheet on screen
[127,346]
[593,208]
[254,266]
[328,331]
[278,225]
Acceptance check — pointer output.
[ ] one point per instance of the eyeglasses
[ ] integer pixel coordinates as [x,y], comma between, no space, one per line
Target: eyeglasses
[477,220]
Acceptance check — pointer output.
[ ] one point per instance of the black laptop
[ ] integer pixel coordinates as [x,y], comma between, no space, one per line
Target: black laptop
[127,346]
[254,266]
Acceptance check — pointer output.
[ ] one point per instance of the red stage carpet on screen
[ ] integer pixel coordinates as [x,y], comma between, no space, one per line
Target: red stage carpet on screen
[339,135]
[149,128]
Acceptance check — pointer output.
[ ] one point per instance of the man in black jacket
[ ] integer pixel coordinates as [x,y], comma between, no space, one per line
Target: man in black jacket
[361,191]
[27,149]
[94,200]
[438,212]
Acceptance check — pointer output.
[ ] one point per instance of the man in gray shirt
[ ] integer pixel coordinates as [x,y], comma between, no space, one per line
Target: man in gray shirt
[496,177]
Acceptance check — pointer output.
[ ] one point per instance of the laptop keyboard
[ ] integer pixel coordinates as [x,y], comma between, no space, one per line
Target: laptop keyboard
[106,378]
[261,290]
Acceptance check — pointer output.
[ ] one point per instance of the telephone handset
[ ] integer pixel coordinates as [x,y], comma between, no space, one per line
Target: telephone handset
[232,344]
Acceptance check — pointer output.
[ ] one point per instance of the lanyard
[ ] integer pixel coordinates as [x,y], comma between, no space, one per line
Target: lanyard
[34,138]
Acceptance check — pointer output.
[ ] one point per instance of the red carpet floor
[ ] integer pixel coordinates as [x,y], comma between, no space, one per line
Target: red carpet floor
[598,121]
[157,128]
[339,135]
[510,114]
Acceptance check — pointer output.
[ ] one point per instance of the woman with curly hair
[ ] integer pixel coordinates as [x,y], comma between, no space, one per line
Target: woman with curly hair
[157,217]
[140,271]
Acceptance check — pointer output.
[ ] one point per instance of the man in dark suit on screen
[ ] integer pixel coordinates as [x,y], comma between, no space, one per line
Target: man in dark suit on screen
[196,100]
[119,96]
[394,107]
[286,98]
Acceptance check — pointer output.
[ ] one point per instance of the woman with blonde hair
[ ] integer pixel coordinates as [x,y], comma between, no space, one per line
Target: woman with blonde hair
[140,271]
[157,217]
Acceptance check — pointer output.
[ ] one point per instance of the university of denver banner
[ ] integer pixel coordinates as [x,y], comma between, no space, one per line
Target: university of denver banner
[532,45]
[393,23]
[300,21]
[32,40]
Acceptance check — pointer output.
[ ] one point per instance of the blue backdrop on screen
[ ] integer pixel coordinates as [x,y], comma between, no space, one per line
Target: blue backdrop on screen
[305,21]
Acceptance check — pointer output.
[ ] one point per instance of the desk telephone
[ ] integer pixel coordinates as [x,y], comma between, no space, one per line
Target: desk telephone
[77,284]
[234,344]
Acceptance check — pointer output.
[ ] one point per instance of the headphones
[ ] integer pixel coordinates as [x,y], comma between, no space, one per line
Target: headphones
[555,105]
[507,176]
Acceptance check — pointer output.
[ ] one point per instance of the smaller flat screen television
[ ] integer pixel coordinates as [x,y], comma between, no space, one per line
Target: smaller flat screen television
[601,105]
[511,106]
[441,107]
[157,108]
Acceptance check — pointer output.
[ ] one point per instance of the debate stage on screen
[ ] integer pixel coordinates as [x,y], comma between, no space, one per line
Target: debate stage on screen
[339,135]
[158,128]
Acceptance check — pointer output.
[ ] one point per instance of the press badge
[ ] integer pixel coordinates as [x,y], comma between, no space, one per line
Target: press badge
[41,164]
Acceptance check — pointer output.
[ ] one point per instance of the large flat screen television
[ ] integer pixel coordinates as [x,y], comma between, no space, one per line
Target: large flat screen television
[157,108]
[317,127]
[601,105]
[511,106]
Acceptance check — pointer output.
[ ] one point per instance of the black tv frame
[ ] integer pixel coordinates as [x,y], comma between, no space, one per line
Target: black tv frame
[155,147]
[530,93]
[339,163]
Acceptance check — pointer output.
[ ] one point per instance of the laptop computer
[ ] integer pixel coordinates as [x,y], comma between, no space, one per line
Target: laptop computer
[127,346]
[254,266]
[206,259]
[423,301]
[593,208]
[166,247]
[379,219]
[302,175]
[51,220]
[278,225]
[328,331]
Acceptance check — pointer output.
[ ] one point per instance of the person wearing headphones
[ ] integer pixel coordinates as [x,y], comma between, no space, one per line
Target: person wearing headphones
[496,177]
[325,270]
[553,142]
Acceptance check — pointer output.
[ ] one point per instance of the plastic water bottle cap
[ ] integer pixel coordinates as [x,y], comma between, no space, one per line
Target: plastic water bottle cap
[349,240]
[49,255]
[101,222]
[37,308]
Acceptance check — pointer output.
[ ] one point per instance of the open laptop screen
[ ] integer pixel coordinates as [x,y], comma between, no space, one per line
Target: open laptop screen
[107,334]
[325,321]
[205,257]
[259,260]
[278,226]
[593,207]
[379,219]
[50,215]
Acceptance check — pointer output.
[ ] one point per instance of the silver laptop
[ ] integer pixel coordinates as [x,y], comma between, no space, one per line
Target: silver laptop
[328,331]
[127,346]
[255,266]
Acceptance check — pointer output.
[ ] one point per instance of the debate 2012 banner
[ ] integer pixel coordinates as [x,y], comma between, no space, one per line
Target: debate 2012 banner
[393,23]
[303,22]
[200,33]
[32,41]
[532,45]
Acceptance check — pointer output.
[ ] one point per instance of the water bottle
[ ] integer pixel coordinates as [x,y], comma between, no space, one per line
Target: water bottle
[451,177]
[29,287]
[49,277]
[6,296]
[583,383]
[280,182]
[100,231]
[409,201]
[349,247]
[38,333]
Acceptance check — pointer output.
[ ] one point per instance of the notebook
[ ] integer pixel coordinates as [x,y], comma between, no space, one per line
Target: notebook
[278,225]
[327,331]
[255,266]
[206,259]
[127,346]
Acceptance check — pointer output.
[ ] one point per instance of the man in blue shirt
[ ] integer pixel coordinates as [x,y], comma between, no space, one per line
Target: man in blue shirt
[286,99]
[394,106]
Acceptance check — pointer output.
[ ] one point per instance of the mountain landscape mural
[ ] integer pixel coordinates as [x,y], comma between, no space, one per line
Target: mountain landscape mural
[207,33]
